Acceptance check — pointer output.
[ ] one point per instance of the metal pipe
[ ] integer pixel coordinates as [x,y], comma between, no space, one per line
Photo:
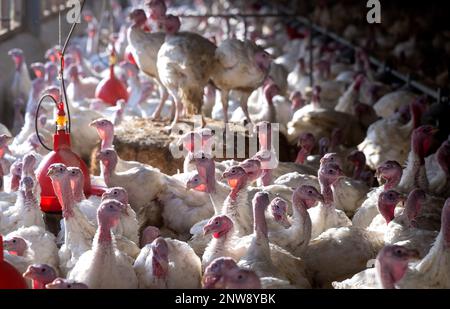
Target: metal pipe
[237,16]
[245,28]
[311,60]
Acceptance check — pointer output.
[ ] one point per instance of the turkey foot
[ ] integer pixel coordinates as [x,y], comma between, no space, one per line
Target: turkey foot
[178,106]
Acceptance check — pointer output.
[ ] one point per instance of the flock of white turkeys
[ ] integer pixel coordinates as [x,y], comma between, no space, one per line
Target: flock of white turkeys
[325,220]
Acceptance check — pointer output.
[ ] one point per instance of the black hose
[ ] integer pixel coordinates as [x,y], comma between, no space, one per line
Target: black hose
[36,119]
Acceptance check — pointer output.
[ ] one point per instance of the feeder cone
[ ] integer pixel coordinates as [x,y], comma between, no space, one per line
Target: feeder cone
[110,89]
[10,278]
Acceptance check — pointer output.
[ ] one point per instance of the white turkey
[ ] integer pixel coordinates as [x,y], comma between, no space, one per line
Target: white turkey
[242,66]
[389,138]
[438,170]
[390,266]
[60,283]
[21,81]
[325,215]
[185,63]
[24,212]
[168,264]
[411,228]
[105,130]
[433,270]
[78,231]
[414,174]
[258,256]
[296,237]
[145,47]
[104,266]
[29,245]
[40,275]
[391,172]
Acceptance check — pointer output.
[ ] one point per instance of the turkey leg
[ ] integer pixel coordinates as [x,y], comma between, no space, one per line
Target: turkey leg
[243,102]
[164,95]
[224,97]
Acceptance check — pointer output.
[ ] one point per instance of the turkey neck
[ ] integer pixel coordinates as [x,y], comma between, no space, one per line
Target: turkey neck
[260,224]
[78,193]
[271,111]
[418,161]
[301,156]
[325,189]
[386,210]
[38,285]
[234,194]
[19,65]
[63,192]
[302,221]
[358,170]
[103,246]
[109,172]
[30,199]
[315,101]
[301,68]
[220,245]
[107,140]
[76,79]
[210,171]
[236,208]
[104,234]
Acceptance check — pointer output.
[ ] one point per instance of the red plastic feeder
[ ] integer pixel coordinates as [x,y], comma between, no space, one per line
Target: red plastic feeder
[9,276]
[110,89]
[61,154]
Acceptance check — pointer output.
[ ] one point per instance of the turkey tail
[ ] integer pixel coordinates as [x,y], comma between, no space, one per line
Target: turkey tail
[192,98]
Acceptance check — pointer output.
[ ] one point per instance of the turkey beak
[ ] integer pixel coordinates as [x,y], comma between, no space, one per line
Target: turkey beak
[189,185]
[93,124]
[54,285]
[8,139]
[434,131]
[179,142]
[207,229]
[403,198]
[7,245]
[50,172]
[378,171]
[209,282]
[225,175]
[218,283]
[29,272]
